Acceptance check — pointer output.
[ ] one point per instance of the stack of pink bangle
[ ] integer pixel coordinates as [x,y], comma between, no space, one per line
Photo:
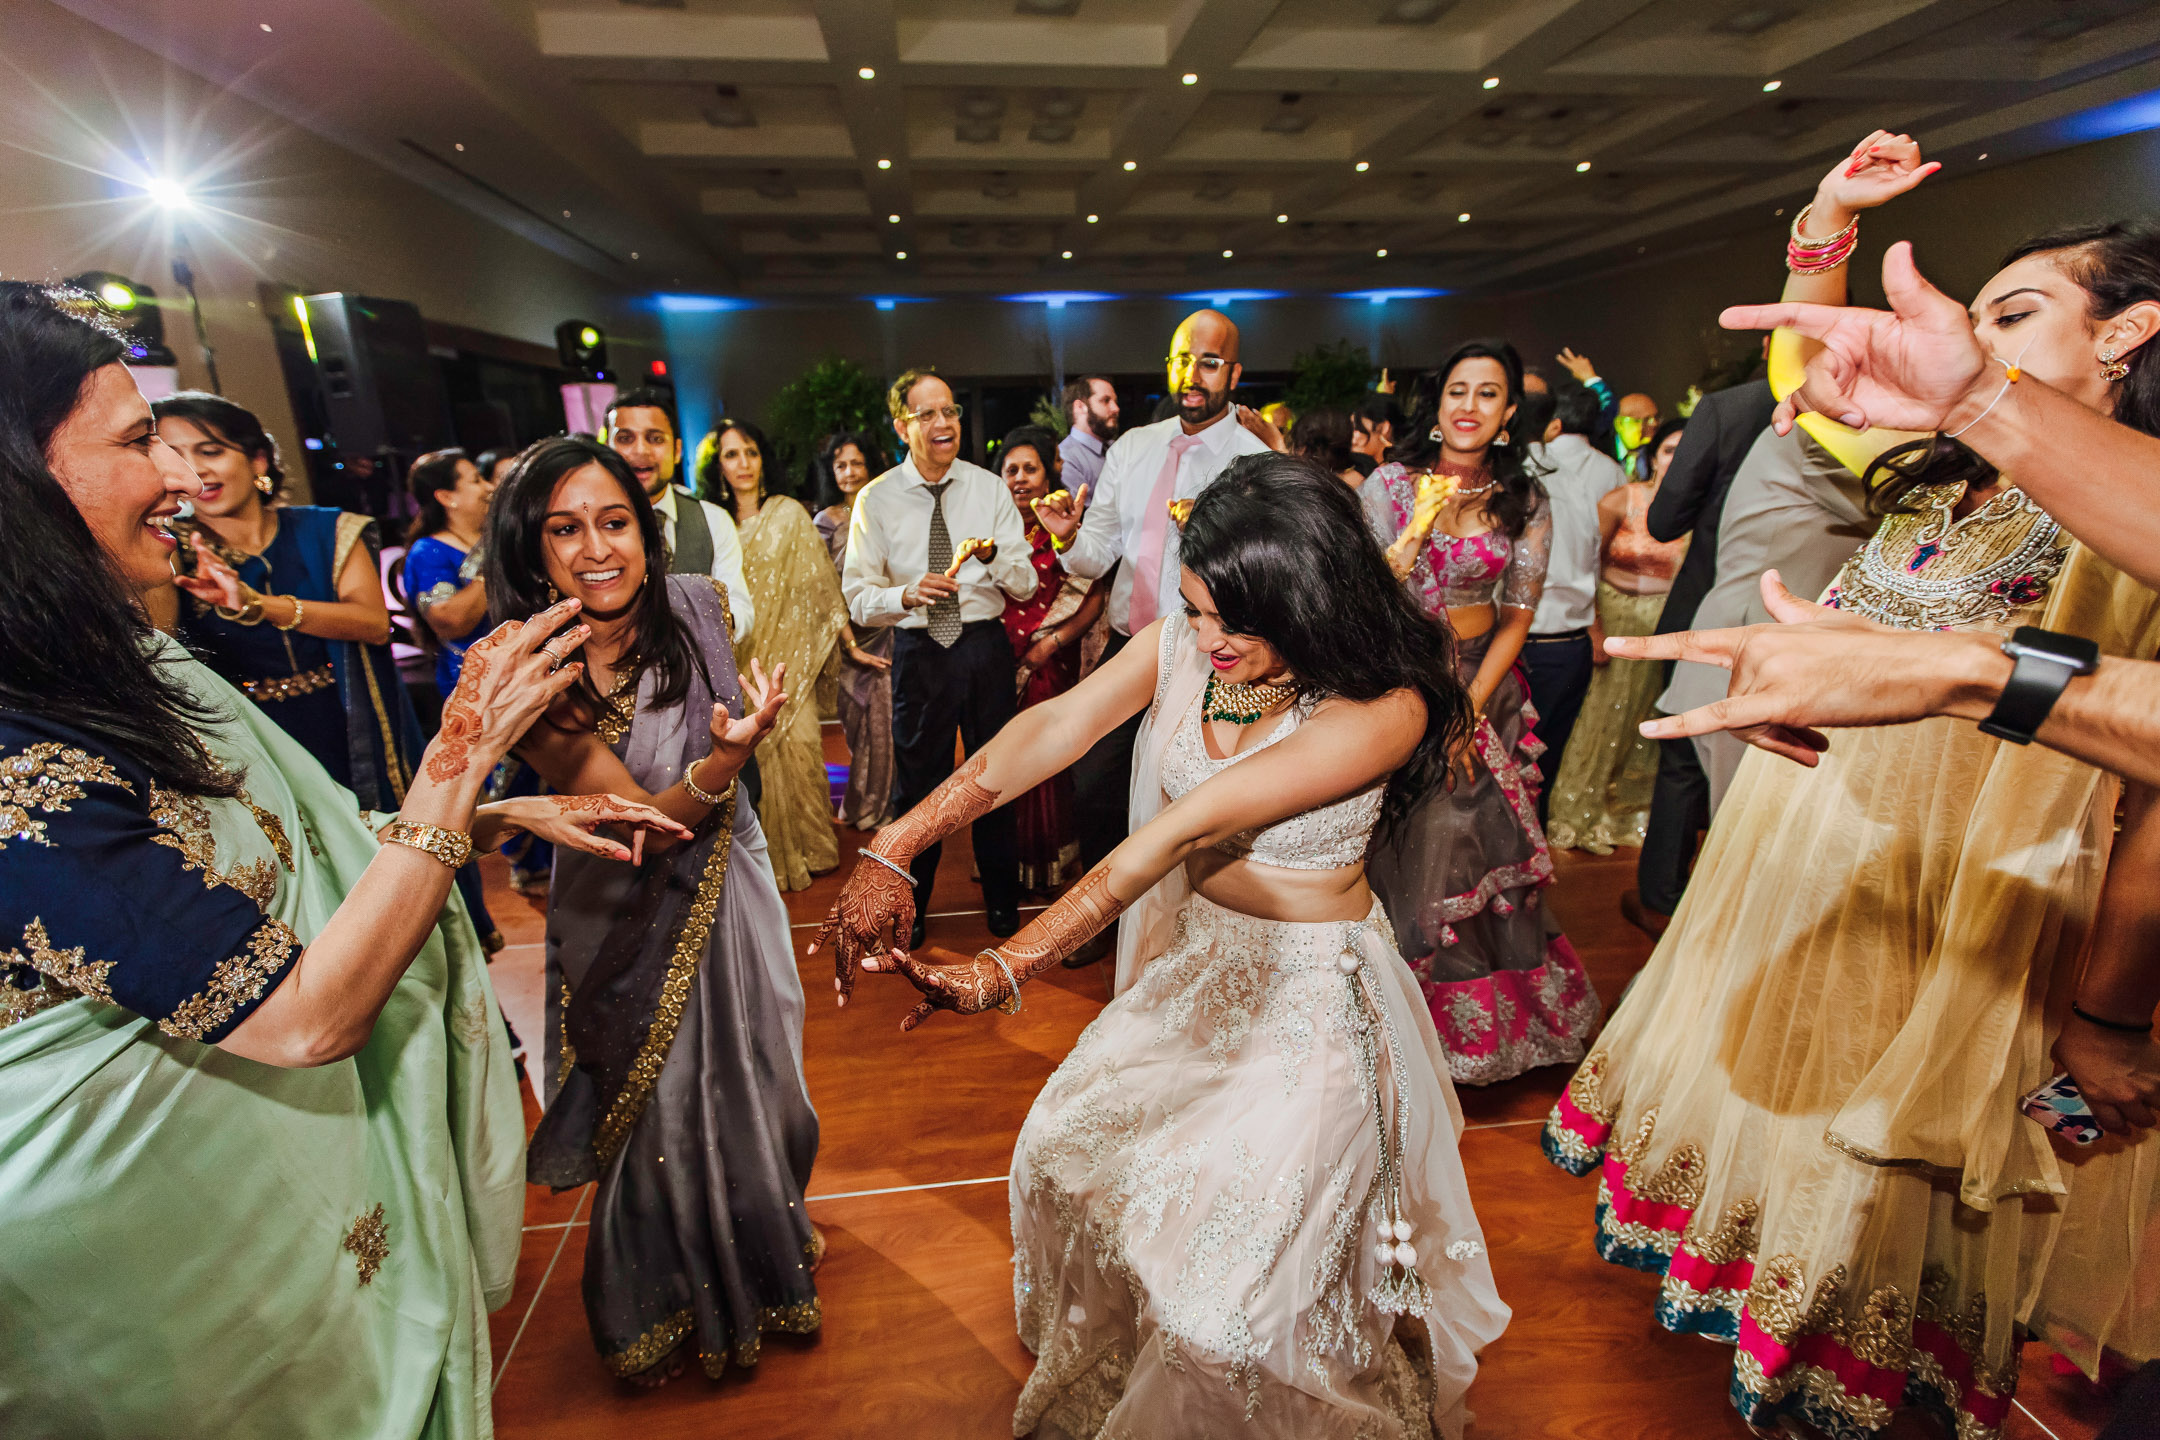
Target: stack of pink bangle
[1804,256]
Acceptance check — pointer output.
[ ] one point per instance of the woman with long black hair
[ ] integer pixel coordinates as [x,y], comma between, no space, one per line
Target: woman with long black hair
[255,1106]
[1808,1115]
[1468,528]
[1238,1205]
[674,1012]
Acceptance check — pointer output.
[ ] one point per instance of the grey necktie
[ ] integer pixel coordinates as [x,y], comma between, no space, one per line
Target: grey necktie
[944,616]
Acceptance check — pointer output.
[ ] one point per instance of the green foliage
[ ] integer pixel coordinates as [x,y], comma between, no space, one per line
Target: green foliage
[1339,374]
[833,394]
[1051,416]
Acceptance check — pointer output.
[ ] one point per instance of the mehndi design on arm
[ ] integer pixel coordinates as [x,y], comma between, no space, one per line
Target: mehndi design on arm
[961,799]
[1074,919]
[461,717]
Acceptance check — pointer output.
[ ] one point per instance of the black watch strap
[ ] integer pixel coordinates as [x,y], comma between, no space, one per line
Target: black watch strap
[2047,661]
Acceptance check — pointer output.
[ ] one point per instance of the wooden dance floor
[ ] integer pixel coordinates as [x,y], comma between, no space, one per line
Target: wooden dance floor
[917,1282]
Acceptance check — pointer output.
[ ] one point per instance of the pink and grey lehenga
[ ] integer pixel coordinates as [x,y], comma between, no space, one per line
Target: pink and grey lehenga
[1463,881]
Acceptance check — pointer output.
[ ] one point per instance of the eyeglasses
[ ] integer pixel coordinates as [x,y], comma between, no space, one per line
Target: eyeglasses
[924,417]
[1205,364]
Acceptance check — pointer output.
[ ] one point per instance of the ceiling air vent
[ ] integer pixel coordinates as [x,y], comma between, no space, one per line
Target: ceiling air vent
[1287,119]
[730,113]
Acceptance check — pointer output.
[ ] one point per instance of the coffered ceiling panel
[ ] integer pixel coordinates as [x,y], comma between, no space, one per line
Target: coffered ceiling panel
[835,147]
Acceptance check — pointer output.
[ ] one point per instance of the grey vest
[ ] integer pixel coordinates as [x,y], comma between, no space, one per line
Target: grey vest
[693,537]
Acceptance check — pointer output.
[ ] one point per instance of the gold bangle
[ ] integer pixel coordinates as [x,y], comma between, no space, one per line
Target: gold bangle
[249,613]
[299,613]
[698,792]
[452,847]
[1012,1003]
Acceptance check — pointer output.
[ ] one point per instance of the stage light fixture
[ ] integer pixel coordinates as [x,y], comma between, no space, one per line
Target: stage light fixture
[133,308]
[118,295]
[167,192]
[582,346]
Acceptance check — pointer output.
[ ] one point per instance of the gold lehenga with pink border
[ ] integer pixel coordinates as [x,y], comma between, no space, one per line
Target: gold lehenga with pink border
[1805,1113]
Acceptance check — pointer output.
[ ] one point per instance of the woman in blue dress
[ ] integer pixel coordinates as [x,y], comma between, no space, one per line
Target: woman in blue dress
[299,625]
[444,556]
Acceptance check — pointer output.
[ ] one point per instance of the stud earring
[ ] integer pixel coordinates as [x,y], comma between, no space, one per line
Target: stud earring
[554,595]
[2111,367]
[262,483]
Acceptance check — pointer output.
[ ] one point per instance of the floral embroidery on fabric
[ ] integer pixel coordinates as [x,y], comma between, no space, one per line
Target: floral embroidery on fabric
[273,830]
[1501,1024]
[46,777]
[237,980]
[65,967]
[1933,571]
[368,1242]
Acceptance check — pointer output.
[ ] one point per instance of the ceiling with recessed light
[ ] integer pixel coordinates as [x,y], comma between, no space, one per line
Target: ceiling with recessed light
[850,147]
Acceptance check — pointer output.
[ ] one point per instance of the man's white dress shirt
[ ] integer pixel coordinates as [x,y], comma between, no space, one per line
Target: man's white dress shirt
[889,545]
[1578,476]
[1112,528]
[726,554]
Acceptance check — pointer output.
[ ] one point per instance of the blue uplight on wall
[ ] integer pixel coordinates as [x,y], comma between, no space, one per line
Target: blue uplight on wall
[2103,122]
[1057,299]
[700,304]
[887,302]
[1381,297]
[1220,298]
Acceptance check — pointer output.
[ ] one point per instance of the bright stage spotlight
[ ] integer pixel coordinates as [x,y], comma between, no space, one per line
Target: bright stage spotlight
[169,193]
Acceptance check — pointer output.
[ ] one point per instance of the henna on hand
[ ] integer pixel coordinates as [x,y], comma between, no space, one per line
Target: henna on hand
[873,899]
[965,989]
[1057,932]
[581,804]
[961,799]
[448,757]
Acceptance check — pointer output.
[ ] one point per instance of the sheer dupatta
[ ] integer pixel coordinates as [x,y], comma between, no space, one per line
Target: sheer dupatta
[1180,675]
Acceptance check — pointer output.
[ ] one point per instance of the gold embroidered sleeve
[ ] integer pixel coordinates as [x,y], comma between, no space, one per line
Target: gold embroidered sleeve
[236,985]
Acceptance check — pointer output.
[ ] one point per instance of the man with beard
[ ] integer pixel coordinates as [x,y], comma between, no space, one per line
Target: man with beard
[1127,518]
[700,536]
[1091,405]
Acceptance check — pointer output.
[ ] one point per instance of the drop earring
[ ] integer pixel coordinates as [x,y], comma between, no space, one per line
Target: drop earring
[2112,367]
[1501,439]
[263,483]
[554,596]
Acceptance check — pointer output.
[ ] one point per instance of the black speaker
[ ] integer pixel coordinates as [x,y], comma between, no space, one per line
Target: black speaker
[382,389]
[134,308]
[582,346]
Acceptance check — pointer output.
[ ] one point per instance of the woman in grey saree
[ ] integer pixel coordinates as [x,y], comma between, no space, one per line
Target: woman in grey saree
[673,1066]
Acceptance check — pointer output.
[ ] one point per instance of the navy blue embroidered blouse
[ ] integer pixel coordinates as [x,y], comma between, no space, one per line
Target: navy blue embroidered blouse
[112,891]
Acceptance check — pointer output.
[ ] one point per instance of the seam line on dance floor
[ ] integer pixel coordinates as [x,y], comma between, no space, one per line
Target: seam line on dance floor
[538,1291]
[2044,1427]
[933,915]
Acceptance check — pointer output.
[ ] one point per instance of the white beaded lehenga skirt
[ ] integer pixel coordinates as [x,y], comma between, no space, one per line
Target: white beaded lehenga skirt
[1203,1191]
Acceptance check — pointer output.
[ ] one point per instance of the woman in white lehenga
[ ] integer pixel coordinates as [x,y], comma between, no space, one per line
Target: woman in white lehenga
[1242,1186]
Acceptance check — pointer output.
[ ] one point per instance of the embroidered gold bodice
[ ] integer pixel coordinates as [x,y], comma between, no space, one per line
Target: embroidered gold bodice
[1932,571]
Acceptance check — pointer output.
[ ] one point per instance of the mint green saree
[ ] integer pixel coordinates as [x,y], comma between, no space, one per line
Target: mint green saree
[194,1244]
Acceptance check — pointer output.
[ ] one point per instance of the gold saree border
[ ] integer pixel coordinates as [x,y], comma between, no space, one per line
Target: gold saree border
[629,1103]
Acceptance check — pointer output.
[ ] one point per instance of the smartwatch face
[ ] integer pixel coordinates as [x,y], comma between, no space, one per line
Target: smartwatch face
[2073,650]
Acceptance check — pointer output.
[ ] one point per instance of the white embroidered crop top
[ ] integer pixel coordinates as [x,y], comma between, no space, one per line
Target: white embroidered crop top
[1322,839]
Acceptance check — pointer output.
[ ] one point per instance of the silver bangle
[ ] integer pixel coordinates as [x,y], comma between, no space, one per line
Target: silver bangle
[894,866]
[1012,1004]
[698,792]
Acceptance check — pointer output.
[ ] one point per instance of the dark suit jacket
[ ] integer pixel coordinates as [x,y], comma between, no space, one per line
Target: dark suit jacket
[1692,497]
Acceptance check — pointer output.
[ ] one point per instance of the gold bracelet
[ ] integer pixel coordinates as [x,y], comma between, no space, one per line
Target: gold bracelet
[299,613]
[452,847]
[249,613]
[698,792]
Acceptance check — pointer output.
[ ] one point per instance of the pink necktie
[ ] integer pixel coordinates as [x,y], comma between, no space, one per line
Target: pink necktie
[1154,535]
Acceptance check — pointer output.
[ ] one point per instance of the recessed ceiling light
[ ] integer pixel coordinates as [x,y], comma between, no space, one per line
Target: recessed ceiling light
[565,214]
[1191,79]
[1492,82]
[1093,218]
[892,219]
[1983,154]
[461,147]
[1068,254]
[899,255]
[867,73]
[1770,85]
[1779,212]
[1227,254]
[1381,252]
[884,164]
[1132,164]
[264,26]
[1282,219]
[1463,219]
[1363,166]
[633,254]
[1581,166]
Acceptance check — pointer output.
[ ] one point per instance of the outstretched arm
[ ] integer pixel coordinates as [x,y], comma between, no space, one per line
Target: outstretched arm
[1341,750]
[1036,744]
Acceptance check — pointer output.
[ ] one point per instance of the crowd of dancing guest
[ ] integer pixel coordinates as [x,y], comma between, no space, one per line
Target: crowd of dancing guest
[1392,654]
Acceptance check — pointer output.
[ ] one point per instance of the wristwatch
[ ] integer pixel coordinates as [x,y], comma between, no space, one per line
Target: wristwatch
[2047,661]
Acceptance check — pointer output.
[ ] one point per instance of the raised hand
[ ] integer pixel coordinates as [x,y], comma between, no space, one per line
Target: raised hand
[985,550]
[510,676]
[735,739]
[1880,168]
[213,581]
[875,900]
[1577,365]
[1060,512]
[1262,428]
[947,982]
[1917,366]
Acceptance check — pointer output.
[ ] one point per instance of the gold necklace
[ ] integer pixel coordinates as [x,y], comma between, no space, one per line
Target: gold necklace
[1242,704]
[619,707]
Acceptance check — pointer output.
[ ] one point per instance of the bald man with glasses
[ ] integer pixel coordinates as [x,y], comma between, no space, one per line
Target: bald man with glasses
[1126,519]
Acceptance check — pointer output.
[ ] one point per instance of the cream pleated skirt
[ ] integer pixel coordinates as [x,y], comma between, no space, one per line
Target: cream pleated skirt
[1201,1192]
